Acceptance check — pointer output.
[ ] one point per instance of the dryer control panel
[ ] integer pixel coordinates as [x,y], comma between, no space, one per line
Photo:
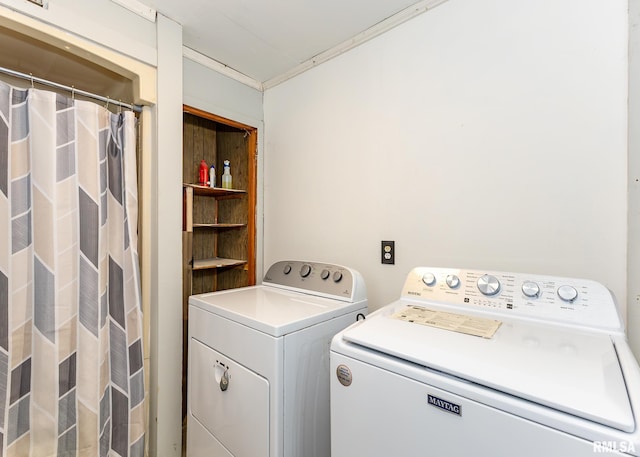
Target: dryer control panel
[579,302]
[322,279]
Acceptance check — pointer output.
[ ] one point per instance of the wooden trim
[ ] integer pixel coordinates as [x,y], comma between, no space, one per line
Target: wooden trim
[214,117]
[188,209]
[252,146]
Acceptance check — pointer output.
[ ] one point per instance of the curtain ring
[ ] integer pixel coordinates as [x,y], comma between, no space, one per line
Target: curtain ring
[107,105]
[31,74]
[73,93]
[119,106]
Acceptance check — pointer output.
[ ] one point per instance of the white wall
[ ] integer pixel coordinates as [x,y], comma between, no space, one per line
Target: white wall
[165,437]
[633,272]
[213,92]
[485,134]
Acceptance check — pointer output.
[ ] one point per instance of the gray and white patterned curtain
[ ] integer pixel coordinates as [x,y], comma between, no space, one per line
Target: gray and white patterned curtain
[71,356]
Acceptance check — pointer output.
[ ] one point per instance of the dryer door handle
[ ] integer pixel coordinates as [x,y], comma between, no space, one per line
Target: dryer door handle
[224,380]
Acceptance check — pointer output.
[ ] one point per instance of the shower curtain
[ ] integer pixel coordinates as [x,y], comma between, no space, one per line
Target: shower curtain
[71,356]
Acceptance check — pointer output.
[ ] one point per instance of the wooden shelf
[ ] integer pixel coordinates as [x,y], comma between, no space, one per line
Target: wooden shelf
[218,226]
[216,262]
[217,192]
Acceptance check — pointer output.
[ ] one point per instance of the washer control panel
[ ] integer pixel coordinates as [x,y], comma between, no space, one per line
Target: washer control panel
[577,301]
[322,279]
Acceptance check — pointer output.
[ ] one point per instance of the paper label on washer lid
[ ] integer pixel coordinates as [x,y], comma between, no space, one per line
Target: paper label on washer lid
[461,323]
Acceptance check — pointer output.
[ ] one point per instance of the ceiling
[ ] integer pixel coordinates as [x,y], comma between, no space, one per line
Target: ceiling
[266,40]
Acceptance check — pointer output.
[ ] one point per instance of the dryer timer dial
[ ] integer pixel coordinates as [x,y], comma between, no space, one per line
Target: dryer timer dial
[305,270]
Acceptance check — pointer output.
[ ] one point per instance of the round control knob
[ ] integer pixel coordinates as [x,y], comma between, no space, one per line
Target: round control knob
[567,293]
[337,276]
[324,274]
[488,285]
[453,281]
[287,269]
[531,289]
[305,270]
[429,279]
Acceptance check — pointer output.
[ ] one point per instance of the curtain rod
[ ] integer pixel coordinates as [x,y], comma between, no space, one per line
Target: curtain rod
[73,90]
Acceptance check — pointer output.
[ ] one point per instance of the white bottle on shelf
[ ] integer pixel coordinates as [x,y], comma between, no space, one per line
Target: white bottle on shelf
[212,176]
[226,176]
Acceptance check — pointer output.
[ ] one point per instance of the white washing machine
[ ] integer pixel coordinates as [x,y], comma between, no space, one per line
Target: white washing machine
[258,376]
[486,363]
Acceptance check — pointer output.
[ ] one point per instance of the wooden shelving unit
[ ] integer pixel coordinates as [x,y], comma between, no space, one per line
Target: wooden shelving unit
[218,224]
[216,193]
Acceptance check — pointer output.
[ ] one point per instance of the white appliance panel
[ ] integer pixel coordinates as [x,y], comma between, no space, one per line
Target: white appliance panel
[262,352]
[527,296]
[570,370]
[306,403]
[201,443]
[271,310]
[385,414]
[229,414]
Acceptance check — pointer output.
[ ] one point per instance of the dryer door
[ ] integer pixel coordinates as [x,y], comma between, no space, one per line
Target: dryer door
[230,401]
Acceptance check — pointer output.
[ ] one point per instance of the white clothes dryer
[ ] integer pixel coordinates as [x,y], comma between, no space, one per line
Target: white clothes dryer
[471,362]
[258,372]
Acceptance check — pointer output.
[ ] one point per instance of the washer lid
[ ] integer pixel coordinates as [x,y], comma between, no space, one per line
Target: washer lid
[272,310]
[573,371]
